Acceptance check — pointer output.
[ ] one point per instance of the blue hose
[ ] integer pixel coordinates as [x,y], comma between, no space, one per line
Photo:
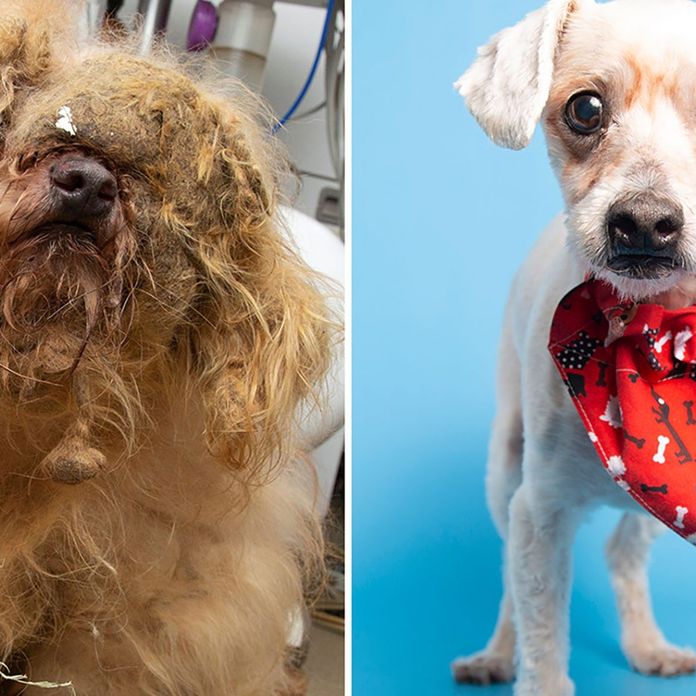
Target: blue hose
[312,72]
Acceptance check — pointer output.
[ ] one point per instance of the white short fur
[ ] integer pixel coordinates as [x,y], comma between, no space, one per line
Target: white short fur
[538,493]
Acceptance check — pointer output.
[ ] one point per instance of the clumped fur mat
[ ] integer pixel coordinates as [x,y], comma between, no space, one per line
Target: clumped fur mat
[158,365]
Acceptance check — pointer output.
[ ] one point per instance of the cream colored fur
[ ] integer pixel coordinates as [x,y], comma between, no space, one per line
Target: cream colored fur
[165,350]
[154,579]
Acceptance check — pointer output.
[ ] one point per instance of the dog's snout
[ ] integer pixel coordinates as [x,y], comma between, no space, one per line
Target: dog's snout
[83,187]
[646,224]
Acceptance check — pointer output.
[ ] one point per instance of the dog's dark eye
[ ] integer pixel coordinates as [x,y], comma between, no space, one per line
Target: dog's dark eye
[584,112]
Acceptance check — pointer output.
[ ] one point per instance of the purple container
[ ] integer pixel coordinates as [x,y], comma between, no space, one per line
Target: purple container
[203,27]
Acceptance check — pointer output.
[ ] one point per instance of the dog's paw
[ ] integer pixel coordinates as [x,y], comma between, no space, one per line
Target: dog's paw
[483,668]
[664,660]
[72,462]
[544,685]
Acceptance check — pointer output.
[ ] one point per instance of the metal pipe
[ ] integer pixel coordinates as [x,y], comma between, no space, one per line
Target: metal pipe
[155,16]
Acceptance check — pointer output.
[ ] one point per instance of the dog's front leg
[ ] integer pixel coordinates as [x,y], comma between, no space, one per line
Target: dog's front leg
[643,642]
[540,575]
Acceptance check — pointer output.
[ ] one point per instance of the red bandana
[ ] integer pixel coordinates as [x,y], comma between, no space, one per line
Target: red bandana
[631,372]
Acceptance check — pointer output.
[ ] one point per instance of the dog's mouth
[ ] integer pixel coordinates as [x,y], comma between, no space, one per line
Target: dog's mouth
[66,198]
[61,273]
[70,231]
[644,266]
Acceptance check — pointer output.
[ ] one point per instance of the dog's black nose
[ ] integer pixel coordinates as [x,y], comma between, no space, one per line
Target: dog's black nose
[83,188]
[644,225]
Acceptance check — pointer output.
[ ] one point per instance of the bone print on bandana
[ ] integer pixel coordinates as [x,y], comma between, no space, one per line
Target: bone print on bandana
[630,370]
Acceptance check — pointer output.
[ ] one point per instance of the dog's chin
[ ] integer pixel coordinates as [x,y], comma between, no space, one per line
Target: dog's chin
[53,277]
[639,283]
[66,238]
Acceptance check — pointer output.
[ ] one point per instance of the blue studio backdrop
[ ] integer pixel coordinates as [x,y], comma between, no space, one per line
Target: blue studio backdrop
[441,220]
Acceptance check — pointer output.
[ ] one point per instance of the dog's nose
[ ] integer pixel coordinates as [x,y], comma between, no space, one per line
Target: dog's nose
[83,188]
[648,224]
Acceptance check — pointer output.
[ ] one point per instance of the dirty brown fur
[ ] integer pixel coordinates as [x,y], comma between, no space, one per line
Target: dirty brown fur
[157,363]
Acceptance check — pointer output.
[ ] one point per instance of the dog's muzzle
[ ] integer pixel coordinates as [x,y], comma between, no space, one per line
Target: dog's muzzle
[644,232]
[83,194]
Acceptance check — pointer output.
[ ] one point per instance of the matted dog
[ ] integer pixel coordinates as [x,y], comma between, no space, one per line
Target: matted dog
[157,336]
[614,86]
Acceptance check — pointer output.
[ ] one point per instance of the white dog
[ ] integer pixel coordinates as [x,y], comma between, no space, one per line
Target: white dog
[615,88]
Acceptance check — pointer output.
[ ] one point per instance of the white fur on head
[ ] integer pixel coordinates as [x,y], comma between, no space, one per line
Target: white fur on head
[508,85]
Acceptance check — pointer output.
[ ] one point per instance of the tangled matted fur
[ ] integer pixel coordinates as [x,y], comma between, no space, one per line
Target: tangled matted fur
[155,358]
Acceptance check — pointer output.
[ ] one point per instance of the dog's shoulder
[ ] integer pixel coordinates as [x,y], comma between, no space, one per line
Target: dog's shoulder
[547,274]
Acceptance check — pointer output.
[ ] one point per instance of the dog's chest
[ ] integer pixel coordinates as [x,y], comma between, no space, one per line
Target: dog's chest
[575,471]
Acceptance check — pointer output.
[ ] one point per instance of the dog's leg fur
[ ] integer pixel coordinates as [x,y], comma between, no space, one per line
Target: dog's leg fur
[495,663]
[540,555]
[643,643]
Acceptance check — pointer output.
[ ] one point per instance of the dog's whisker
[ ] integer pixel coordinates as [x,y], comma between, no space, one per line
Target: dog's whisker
[181,314]
[28,378]
[68,304]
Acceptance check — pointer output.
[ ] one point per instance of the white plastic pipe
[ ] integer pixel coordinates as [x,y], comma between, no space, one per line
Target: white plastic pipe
[243,39]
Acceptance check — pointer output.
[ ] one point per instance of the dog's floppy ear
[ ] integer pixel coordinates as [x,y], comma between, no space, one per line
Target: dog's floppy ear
[24,58]
[34,34]
[263,344]
[508,85]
